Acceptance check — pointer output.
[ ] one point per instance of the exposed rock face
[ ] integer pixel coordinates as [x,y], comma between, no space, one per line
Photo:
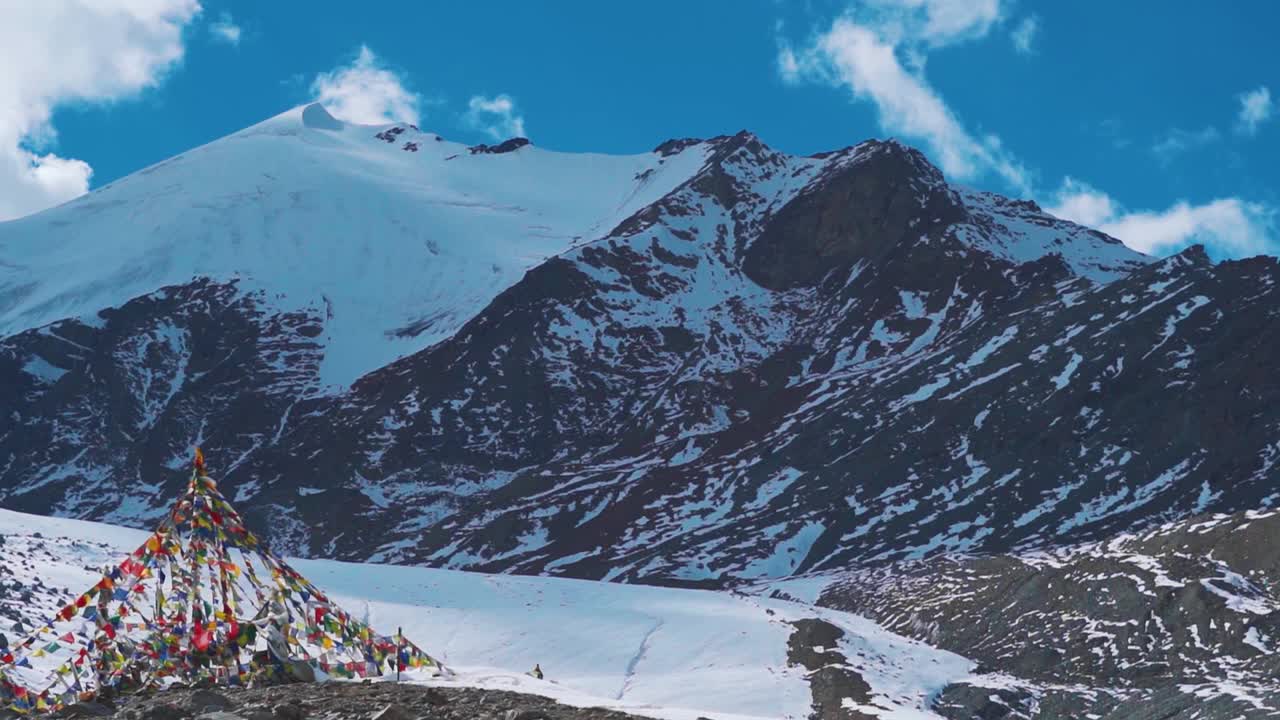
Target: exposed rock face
[863,211]
[506,146]
[92,402]
[674,146]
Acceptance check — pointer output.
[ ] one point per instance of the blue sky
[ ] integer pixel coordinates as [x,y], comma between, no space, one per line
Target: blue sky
[1153,121]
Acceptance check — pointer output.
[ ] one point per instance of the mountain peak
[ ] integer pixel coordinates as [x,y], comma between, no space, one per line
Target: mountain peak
[317,117]
[860,207]
[673,146]
[913,161]
[725,145]
[506,146]
[1195,255]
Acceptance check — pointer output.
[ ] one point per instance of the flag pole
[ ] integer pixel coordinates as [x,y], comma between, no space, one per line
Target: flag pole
[399,649]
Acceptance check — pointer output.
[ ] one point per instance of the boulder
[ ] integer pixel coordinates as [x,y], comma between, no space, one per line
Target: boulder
[301,672]
[526,714]
[218,715]
[205,701]
[164,711]
[289,711]
[393,711]
[85,709]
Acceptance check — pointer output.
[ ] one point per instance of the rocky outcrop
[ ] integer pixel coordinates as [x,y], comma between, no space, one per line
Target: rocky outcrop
[837,688]
[506,146]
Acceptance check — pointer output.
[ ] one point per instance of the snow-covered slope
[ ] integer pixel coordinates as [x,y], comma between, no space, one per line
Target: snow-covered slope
[396,236]
[1018,230]
[662,652]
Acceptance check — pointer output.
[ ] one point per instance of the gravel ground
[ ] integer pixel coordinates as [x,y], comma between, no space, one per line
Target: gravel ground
[338,701]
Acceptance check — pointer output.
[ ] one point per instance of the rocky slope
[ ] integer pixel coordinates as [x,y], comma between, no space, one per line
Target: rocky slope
[720,361]
[1177,621]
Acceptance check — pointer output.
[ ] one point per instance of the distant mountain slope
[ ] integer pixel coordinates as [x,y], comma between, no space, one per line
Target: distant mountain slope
[722,361]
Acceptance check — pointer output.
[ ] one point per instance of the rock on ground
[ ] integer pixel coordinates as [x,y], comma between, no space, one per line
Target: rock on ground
[350,701]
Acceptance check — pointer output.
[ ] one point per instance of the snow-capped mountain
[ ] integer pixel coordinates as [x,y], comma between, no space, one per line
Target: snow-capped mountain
[709,362]
[393,236]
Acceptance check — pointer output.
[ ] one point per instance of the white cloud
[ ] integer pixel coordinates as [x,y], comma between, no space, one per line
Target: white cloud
[862,53]
[1178,141]
[789,65]
[225,30]
[366,92]
[935,23]
[1255,109]
[1230,226]
[495,116]
[1024,34]
[1081,203]
[951,20]
[66,52]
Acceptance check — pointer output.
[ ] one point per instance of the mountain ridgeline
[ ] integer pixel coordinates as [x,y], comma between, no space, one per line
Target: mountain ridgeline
[707,363]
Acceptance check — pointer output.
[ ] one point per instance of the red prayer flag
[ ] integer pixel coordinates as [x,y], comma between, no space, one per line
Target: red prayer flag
[201,637]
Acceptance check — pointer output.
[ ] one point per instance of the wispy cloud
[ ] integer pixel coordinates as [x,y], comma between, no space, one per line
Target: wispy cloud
[55,53]
[1255,108]
[365,91]
[224,29]
[1229,225]
[1178,141]
[495,116]
[1024,34]
[878,54]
